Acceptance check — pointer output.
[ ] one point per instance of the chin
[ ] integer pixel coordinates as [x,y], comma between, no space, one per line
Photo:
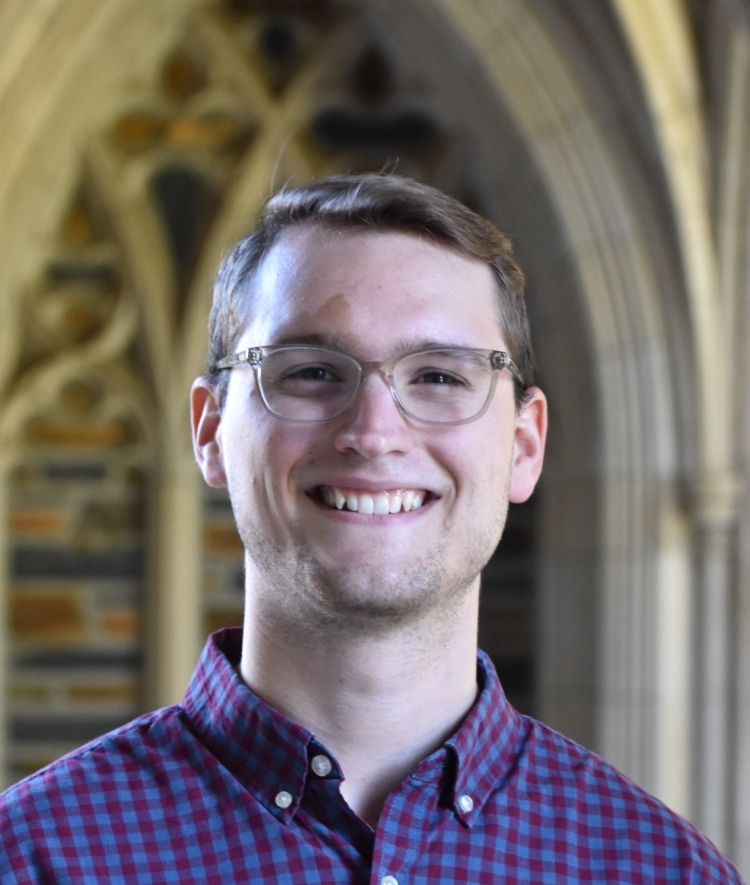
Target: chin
[356,588]
[376,597]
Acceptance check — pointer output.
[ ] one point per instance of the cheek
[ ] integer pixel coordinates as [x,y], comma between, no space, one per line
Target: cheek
[262,454]
[485,469]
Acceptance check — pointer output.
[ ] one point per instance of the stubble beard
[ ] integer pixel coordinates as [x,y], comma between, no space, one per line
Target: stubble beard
[316,601]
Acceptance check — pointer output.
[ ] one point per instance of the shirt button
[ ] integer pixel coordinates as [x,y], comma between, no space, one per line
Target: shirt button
[321,765]
[389,880]
[283,799]
[465,803]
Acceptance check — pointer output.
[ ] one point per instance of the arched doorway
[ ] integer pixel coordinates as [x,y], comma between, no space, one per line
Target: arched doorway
[194,113]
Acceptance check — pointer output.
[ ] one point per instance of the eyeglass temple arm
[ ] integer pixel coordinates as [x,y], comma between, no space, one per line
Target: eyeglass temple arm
[501,360]
[253,355]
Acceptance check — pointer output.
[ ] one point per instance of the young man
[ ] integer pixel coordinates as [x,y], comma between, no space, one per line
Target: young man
[370,406]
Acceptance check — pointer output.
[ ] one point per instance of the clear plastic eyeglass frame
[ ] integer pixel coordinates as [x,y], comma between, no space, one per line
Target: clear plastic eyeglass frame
[496,361]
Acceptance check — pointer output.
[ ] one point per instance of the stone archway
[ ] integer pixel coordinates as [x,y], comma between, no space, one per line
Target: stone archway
[540,157]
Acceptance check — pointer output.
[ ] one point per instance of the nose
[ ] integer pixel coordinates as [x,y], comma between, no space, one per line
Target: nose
[374,425]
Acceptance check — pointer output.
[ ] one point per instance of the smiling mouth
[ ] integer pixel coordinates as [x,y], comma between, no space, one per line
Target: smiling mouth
[371,503]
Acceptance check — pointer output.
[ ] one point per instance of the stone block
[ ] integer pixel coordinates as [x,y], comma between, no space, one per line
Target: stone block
[43,562]
[74,730]
[37,521]
[113,693]
[110,435]
[112,516]
[81,659]
[124,623]
[505,626]
[46,615]
[20,768]
[219,618]
[223,540]
[29,694]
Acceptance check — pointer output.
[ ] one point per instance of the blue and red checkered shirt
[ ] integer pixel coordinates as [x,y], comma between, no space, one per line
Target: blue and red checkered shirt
[221,789]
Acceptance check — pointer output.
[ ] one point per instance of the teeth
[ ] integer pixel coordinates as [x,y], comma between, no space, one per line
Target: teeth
[382,505]
[368,504]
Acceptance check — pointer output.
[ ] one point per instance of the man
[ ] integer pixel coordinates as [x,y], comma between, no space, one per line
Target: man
[370,406]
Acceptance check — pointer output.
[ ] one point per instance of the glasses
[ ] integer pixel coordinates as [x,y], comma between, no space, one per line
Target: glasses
[447,385]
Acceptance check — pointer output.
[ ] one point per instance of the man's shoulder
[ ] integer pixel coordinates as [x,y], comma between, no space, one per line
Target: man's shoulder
[595,803]
[109,767]
[552,764]
[83,805]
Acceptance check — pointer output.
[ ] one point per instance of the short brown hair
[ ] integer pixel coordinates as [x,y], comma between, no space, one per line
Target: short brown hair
[378,203]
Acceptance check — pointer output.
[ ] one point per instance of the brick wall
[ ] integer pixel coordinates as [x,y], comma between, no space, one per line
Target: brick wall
[76,558]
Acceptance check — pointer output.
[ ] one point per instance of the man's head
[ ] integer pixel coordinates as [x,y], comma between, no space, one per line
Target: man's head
[379,204]
[366,516]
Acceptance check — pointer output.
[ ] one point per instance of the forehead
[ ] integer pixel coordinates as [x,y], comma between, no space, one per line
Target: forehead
[369,290]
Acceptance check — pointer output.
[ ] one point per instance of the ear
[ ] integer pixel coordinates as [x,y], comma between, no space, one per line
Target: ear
[205,418]
[528,445]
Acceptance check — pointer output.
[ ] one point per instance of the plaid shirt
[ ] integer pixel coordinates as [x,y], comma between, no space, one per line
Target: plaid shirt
[223,789]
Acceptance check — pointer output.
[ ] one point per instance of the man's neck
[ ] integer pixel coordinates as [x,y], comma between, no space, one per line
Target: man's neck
[380,703]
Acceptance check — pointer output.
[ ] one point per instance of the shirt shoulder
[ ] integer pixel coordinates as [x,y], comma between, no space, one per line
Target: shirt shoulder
[572,791]
[122,747]
[93,788]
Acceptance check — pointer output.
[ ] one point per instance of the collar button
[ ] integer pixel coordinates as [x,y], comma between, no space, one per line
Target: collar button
[321,765]
[283,799]
[465,803]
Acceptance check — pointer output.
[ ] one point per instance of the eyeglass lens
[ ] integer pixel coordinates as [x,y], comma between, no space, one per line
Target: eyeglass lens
[315,384]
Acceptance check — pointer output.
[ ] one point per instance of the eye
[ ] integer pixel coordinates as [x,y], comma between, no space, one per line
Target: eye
[439,377]
[310,373]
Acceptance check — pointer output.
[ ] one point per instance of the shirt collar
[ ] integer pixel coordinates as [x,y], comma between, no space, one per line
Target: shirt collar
[265,751]
[487,745]
[269,753]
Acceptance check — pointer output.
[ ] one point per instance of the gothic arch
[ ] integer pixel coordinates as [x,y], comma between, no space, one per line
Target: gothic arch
[512,124]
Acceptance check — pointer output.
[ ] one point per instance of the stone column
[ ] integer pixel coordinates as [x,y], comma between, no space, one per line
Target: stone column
[715,552]
[175,578]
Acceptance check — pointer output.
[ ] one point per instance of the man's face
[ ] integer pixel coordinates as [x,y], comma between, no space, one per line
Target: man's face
[374,296]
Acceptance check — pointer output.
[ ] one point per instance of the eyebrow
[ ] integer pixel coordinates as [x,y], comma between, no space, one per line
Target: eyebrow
[319,339]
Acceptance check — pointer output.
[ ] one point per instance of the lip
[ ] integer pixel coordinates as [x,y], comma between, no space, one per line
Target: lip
[371,486]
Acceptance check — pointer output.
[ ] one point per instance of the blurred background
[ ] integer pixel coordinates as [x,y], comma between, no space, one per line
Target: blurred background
[610,140]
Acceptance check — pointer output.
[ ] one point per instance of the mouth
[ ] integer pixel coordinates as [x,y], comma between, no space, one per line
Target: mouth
[371,503]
